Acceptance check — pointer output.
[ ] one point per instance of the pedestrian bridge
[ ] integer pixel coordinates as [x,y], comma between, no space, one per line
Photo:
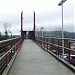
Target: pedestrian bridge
[34,60]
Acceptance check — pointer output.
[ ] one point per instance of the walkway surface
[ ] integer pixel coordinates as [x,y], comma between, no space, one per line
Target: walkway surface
[33,60]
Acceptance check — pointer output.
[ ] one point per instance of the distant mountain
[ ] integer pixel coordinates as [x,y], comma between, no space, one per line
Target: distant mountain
[57,34]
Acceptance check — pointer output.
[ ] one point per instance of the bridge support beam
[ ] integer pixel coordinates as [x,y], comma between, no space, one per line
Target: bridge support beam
[34,24]
[22,23]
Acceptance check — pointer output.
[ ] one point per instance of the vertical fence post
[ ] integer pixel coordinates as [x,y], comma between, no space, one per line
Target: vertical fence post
[11,47]
[58,48]
[6,55]
[47,43]
[44,42]
[41,41]
[51,44]
[38,40]
[69,53]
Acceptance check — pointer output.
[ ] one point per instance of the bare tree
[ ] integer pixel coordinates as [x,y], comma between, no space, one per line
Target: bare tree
[6,27]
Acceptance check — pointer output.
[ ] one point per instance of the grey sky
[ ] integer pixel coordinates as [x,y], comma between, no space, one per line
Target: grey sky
[48,14]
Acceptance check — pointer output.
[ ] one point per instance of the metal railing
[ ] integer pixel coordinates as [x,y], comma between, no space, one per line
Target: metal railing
[7,50]
[54,45]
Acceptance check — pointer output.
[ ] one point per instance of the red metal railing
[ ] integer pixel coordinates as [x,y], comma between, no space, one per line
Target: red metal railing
[54,45]
[7,50]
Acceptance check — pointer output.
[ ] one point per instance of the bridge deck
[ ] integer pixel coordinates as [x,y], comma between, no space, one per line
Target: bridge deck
[32,60]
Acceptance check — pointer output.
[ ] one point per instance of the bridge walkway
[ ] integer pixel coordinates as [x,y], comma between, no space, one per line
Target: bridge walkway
[33,60]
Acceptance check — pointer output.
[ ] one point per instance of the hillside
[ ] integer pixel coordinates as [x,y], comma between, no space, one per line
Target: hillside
[57,34]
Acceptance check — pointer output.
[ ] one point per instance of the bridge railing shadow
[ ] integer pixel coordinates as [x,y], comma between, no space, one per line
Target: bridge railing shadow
[54,45]
[7,50]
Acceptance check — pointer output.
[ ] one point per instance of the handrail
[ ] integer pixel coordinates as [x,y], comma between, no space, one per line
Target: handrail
[10,50]
[54,45]
[59,46]
[14,45]
[3,41]
[58,38]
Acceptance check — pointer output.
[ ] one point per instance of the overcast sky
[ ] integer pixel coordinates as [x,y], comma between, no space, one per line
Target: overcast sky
[48,14]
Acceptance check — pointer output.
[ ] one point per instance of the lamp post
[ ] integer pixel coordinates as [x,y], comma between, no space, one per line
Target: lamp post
[42,35]
[61,4]
[42,31]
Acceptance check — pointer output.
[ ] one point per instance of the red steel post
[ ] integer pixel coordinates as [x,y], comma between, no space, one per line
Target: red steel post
[69,52]
[34,24]
[22,23]
[47,43]
[44,42]
[6,51]
[58,47]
